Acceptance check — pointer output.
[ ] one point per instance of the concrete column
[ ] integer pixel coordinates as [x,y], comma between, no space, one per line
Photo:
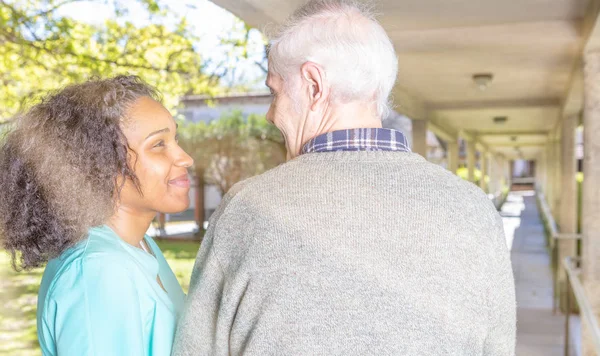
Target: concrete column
[541,172]
[550,167]
[453,156]
[557,176]
[567,210]
[591,190]
[501,175]
[546,158]
[492,173]
[471,160]
[484,171]
[419,136]
[507,172]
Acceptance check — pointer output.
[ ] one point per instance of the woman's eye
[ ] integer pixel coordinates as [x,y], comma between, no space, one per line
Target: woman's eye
[160,143]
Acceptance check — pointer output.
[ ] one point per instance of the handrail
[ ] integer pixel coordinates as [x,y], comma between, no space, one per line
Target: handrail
[552,226]
[552,223]
[572,275]
[555,236]
[565,236]
[524,180]
[584,304]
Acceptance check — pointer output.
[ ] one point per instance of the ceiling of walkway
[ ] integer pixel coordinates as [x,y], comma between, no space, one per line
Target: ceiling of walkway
[532,48]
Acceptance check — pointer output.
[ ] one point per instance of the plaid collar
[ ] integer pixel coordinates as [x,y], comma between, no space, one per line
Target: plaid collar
[358,140]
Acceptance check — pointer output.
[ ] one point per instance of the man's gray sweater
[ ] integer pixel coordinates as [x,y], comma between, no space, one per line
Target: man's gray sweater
[352,253]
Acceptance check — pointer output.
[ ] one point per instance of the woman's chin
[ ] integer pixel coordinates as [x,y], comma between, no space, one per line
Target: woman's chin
[174,207]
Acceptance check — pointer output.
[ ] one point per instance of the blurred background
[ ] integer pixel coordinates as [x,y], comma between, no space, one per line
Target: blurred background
[505,94]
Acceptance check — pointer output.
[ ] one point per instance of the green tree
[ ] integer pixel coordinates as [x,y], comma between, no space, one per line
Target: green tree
[232,148]
[42,51]
[239,48]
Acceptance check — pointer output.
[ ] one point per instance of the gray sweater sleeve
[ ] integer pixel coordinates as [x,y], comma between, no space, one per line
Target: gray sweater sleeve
[501,336]
[209,311]
[200,330]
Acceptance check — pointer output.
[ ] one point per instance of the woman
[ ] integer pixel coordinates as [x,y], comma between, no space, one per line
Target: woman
[82,175]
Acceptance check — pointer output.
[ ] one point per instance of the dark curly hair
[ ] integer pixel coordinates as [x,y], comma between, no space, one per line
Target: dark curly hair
[60,166]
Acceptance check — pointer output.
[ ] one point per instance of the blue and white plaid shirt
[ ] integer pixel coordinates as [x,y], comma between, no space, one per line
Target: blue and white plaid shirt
[375,139]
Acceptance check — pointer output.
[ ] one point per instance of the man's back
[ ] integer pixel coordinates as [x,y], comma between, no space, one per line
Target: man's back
[352,253]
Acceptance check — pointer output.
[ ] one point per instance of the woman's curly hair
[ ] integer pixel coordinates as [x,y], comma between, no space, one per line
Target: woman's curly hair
[60,167]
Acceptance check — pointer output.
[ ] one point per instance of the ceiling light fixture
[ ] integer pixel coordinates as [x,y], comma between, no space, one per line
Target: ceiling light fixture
[500,119]
[483,80]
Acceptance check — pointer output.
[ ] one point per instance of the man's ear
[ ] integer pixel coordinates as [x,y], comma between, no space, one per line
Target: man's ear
[318,88]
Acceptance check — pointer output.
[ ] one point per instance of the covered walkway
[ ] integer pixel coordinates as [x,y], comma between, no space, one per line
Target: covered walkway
[539,331]
[499,82]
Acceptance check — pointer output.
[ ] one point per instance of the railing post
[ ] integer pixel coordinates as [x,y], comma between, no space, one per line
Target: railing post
[587,313]
[555,265]
[567,318]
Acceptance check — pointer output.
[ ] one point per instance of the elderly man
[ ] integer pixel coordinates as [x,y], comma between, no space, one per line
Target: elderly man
[355,246]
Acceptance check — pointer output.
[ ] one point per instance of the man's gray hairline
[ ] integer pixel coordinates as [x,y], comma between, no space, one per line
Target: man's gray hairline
[274,32]
[366,9]
[383,112]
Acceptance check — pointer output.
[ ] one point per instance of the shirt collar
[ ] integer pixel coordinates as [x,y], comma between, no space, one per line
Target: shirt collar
[362,139]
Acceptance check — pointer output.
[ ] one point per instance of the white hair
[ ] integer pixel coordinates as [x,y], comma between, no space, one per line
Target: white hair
[347,41]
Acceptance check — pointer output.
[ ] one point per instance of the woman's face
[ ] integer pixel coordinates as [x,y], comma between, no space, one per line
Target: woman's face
[157,160]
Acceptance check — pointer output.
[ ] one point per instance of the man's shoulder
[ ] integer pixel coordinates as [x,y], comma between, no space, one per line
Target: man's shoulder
[409,167]
[241,189]
[404,173]
[439,179]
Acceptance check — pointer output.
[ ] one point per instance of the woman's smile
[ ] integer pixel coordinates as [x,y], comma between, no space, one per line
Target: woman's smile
[182,181]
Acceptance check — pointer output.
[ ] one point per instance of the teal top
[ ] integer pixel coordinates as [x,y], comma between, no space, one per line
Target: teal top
[101,297]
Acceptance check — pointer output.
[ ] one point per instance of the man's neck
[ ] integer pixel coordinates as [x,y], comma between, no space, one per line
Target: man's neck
[349,116]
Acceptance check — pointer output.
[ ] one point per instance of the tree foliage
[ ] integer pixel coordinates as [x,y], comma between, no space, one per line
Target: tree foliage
[41,51]
[232,148]
[238,46]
